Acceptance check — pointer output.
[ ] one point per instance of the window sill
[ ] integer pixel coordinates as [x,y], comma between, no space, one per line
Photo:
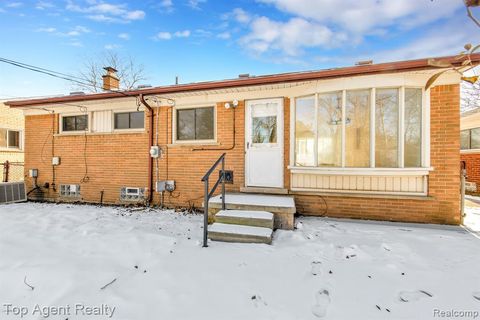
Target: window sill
[12,150]
[362,171]
[193,144]
[364,194]
[468,151]
[64,134]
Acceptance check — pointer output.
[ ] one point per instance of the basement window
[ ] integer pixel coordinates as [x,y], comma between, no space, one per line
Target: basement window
[197,124]
[129,120]
[75,123]
[10,139]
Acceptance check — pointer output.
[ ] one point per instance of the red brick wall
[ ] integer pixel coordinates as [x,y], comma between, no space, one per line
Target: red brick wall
[115,160]
[472,162]
[112,160]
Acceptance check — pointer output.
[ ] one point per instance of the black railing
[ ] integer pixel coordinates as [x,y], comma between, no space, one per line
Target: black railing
[209,193]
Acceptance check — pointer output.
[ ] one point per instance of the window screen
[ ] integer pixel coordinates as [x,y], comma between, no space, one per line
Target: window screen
[195,124]
[75,123]
[129,120]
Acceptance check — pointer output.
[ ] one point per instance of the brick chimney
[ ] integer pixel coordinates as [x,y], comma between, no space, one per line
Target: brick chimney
[110,80]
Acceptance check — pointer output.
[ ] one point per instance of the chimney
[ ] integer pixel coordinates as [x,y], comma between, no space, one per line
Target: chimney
[110,80]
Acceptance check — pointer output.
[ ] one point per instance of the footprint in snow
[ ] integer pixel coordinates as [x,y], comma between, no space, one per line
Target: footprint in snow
[258,301]
[476,295]
[316,268]
[411,296]
[322,298]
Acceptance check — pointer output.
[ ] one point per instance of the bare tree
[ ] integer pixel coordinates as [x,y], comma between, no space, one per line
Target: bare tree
[129,72]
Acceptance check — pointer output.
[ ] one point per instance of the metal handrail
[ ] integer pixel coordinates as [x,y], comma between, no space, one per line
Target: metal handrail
[209,193]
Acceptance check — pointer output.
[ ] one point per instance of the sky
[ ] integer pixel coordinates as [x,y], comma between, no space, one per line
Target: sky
[201,40]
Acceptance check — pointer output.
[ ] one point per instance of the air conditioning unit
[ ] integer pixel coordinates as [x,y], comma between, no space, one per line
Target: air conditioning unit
[12,192]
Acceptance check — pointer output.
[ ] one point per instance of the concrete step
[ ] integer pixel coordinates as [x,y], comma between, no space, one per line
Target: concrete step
[238,233]
[246,218]
[283,207]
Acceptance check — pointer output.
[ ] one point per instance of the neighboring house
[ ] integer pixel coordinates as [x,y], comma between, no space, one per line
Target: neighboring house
[362,142]
[470,147]
[11,142]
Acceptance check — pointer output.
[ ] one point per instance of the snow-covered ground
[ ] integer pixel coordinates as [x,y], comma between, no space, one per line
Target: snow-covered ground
[330,269]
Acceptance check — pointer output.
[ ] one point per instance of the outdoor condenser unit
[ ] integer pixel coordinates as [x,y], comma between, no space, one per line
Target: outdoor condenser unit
[12,192]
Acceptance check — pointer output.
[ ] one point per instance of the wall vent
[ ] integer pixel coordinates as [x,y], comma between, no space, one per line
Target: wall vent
[132,194]
[70,190]
[12,192]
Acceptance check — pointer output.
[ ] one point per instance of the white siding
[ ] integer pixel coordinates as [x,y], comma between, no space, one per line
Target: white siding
[102,121]
[398,184]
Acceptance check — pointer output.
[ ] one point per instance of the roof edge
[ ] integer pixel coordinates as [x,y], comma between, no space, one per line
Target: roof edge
[387,67]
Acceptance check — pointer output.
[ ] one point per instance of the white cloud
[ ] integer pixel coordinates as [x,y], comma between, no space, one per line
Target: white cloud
[166,5]
[163,36]
[106,12]
[182,34]
[289,37]
[14,4]
[47,30]
[77,31]
[224,35]
[111,46]
[364,16]
[135,15]
[75,44]
[42,5]
[124,36]
[195,4]
[241,15]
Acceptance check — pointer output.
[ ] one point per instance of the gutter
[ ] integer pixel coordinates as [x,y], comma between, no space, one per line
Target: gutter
[150,142]
[389,67]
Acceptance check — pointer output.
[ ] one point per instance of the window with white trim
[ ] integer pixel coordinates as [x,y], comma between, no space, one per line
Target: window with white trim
[470,139]
[365,128]
[129,120]
[74,123]
[10,139]
[195,124]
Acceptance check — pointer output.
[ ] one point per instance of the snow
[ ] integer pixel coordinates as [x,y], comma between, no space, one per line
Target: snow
[256,200]
[152,266]
[239,229]
[263,215]
[472,213]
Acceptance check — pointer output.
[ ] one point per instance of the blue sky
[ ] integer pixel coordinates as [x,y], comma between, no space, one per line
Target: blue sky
[211,39]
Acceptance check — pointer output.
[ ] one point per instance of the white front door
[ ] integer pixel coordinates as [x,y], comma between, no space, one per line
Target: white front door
[264,143]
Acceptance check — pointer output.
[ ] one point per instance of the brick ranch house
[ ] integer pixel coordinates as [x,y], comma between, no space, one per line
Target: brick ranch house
[470,147]
[366,141]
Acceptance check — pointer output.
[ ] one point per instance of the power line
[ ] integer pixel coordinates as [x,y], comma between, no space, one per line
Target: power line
[65,76]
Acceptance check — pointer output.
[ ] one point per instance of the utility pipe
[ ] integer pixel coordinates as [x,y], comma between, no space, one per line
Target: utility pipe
[150,142]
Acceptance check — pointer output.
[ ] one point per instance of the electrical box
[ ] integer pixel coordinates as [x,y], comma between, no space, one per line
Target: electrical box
[165,185]
[154,151]
[55,161]
[228,176]
[170,185]
[160,186]
[33,173]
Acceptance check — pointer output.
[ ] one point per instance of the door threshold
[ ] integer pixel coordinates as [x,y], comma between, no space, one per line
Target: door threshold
[263,190]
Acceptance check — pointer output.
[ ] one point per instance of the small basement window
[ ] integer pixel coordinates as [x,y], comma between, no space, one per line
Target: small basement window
[75,123]
[129,120]
[10,139]
[195,124]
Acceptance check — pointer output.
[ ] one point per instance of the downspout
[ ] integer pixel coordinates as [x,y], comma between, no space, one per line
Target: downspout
[150,142]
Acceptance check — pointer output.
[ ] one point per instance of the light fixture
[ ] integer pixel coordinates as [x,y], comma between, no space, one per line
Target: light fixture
[227,105]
